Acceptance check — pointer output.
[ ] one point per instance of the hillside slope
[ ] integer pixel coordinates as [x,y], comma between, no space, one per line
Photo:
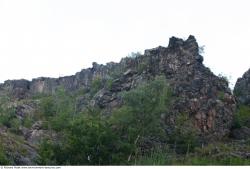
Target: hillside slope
[163,98]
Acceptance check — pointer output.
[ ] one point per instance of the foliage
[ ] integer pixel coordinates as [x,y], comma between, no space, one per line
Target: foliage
[27,122]
[3,158]
[15,124]
[224,78]
[57,109]
[184,136]
[96,85]
[46,153]
[87,140]
[48,107]
[158,156]
[139,117]
[241,116]
[211,154]
[109,83]
[221,95]
[6,116]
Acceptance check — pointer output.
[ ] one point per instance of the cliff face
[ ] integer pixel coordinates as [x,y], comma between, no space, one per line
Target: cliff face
[204,97]
[242,89]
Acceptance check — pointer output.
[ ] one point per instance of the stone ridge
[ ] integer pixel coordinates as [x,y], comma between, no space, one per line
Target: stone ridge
[204,97]
[23,88]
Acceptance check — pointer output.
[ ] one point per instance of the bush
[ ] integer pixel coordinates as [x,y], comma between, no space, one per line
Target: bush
[6,116]
[87,140]
[96,85]
[46,153]
[183,138]
[139,118]
[241,116]
[27,122]
[48,107]
[15,126]
[3,158]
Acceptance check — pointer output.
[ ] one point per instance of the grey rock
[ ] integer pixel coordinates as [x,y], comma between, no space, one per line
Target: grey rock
[241,133]
[242,89]
[197,88]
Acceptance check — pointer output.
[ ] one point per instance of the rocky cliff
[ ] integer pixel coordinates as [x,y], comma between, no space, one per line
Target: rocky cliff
[204,97]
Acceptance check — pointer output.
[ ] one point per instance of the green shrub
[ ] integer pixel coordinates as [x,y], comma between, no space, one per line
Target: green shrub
[6,116]
[87,140]
[96,85]
[48,107]
[46,153]
[139,118]
[3,158]
[57,109]
[221,95]
[241,116]
[184,137]
[109,83]
[15,126]
[27,122]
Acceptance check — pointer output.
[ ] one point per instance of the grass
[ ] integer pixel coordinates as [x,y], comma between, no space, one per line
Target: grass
[212,154]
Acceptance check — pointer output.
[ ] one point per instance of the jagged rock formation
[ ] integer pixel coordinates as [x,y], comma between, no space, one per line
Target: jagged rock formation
[205,97]
[242,89]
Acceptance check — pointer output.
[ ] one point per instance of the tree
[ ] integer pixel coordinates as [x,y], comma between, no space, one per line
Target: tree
[87,140]
[139,118]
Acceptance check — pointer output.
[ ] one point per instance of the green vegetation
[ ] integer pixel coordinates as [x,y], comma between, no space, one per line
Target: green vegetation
[183,138]
[3,158]
[133,134]
[139,119]
[96,85]
[241,116]
[109,83]
[212,154]
[89,138]
[6,115]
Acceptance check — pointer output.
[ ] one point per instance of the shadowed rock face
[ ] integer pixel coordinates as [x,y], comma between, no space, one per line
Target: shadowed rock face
[242,89]
[204,97]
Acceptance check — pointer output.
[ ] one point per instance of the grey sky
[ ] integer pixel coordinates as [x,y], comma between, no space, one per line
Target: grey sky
[60,37]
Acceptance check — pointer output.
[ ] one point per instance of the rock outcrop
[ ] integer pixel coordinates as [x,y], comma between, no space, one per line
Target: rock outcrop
[242,89]
[204,97]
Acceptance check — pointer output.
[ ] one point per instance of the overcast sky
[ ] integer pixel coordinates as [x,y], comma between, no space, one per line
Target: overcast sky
[55,38]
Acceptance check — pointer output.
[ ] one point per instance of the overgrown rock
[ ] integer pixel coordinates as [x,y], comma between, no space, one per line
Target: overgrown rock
[197,92]
[241,133]
[242,89]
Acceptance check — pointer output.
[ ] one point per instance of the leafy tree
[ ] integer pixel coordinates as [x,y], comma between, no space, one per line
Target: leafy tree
[87,140]
[48,106]
[139,118]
